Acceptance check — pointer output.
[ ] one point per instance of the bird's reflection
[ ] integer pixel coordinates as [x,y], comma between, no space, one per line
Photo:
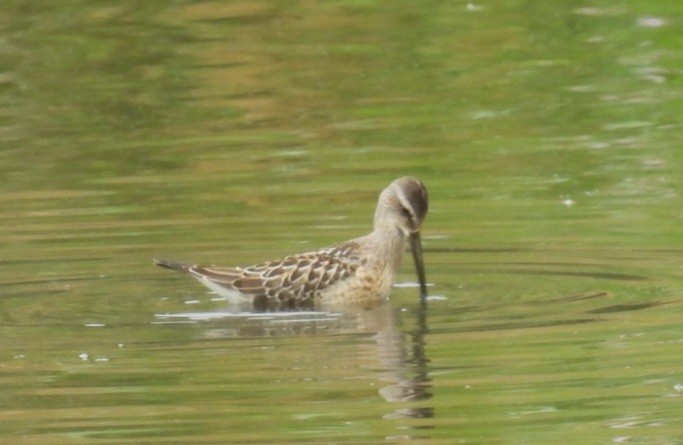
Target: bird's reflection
[399,352]
[402,357]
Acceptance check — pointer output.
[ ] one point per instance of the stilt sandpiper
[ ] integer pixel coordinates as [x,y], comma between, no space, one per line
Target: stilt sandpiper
[359,272]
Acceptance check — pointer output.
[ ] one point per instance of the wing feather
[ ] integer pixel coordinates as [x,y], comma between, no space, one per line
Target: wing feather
[292,281]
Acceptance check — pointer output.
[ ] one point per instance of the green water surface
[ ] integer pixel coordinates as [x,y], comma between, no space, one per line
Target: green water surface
[233,132]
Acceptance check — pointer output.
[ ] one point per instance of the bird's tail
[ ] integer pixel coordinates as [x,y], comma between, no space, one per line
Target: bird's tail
[183,267]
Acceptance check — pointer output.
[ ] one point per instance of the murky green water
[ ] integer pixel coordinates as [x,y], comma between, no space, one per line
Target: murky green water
[233,132]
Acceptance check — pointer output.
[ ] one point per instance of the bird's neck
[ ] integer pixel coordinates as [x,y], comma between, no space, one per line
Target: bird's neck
[389,245]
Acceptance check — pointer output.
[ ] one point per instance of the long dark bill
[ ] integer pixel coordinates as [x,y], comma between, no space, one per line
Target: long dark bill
[416,249]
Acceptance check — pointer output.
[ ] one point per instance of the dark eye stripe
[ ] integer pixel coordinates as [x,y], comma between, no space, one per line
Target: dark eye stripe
[407,211]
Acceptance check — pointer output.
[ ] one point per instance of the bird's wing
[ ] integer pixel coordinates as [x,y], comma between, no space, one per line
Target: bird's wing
[290,281]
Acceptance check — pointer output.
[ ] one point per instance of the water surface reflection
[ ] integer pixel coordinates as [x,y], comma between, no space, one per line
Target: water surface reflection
[399,357]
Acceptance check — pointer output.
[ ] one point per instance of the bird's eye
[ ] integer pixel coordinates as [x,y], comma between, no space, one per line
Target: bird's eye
[405,212]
